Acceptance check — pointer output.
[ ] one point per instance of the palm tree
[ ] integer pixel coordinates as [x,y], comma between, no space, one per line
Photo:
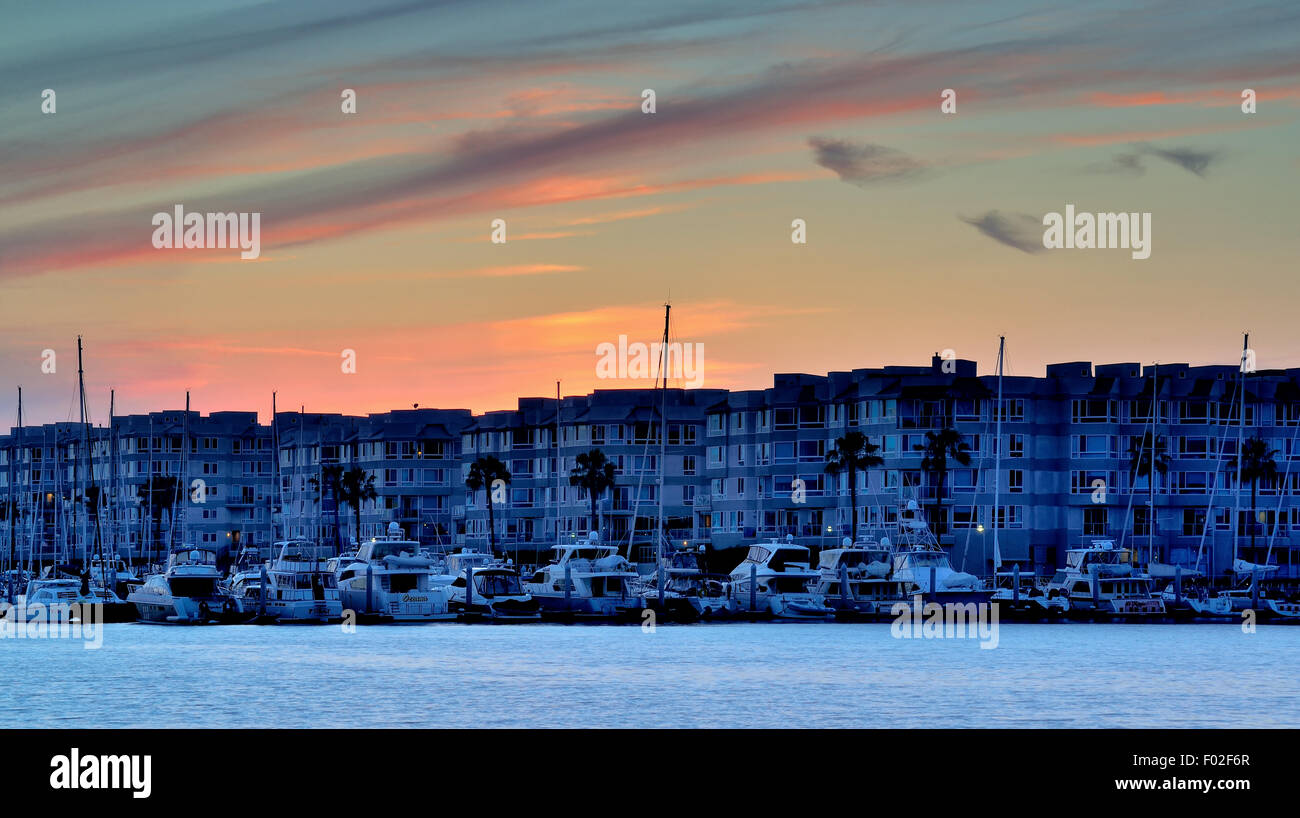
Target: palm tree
[331,478]
[853,453]
[940,447]
[1141,455]
[595,474]
[483,474]
[1256,464]
[356,486]
[158,494]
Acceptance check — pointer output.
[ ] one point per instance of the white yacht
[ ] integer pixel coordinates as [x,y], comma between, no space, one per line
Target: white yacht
[116,575]
[299,586]
[1102,580]
[497,594]
[586,580]
[775,579]
[245,580]
[854,579]
[188,592]
[1020,596]
[393,580]
[921,566]
[689,594]
[51,600]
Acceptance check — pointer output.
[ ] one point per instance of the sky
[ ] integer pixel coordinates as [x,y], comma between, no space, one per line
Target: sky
[923,228]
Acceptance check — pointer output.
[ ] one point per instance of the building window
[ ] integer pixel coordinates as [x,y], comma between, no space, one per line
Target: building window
[1094,521]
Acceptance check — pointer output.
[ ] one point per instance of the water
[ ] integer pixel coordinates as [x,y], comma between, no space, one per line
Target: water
[724,675]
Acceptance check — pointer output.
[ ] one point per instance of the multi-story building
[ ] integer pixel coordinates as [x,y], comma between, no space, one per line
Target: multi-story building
[737,466]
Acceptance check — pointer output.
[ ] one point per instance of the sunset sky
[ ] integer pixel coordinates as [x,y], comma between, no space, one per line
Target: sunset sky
[923,228]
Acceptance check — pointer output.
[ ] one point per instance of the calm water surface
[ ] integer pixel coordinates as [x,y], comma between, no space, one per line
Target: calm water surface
[725,675]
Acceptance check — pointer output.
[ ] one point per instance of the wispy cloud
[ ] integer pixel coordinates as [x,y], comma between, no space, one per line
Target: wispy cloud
[862,165]
[1131,163]
[1018,230]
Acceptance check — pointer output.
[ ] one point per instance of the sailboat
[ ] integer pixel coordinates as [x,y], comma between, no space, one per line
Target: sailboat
[97,589]
[679,590]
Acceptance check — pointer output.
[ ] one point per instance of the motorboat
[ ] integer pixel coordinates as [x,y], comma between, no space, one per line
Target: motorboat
[495,593]
[689,593]
[188,592]
[585,580]
[1101,579]
[394,580]
[855,581]
[775,580]
[921,566]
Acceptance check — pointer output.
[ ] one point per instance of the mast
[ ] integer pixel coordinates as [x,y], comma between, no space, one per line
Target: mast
[184,483]
[1151,471]
[997,460]
[1241,423]
[88,475]
[277,494]
[147,521]
[558,463]
[112,471]
[663,453]
[11,510]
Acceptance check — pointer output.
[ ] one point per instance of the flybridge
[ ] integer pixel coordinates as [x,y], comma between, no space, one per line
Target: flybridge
[181,230]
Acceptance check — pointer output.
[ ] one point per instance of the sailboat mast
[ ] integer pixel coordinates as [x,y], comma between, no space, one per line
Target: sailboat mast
[1241,424]
[997,459]
[275,474]
[558,463]
[663,450]
[1151,474]
[184,484]
[10,512]
[112,469]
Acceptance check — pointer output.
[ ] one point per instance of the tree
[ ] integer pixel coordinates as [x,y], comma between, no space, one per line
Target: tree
[483,474]
[1141,455]
[1256,464]
[356,486]
[940,447]
[853,453]
[331,480]
[158,494]
[595,474]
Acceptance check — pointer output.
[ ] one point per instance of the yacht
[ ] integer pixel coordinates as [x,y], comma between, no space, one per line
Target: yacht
[921,566]
[855,581]
[245,580]
[393,580]
[116,575]
[57,598]
[1019,596]
[187,592]
[89,592]
[1268,602]
[689,593]
[586,580]
[497,594]
[1101,580]
[299,587]
[775,580]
